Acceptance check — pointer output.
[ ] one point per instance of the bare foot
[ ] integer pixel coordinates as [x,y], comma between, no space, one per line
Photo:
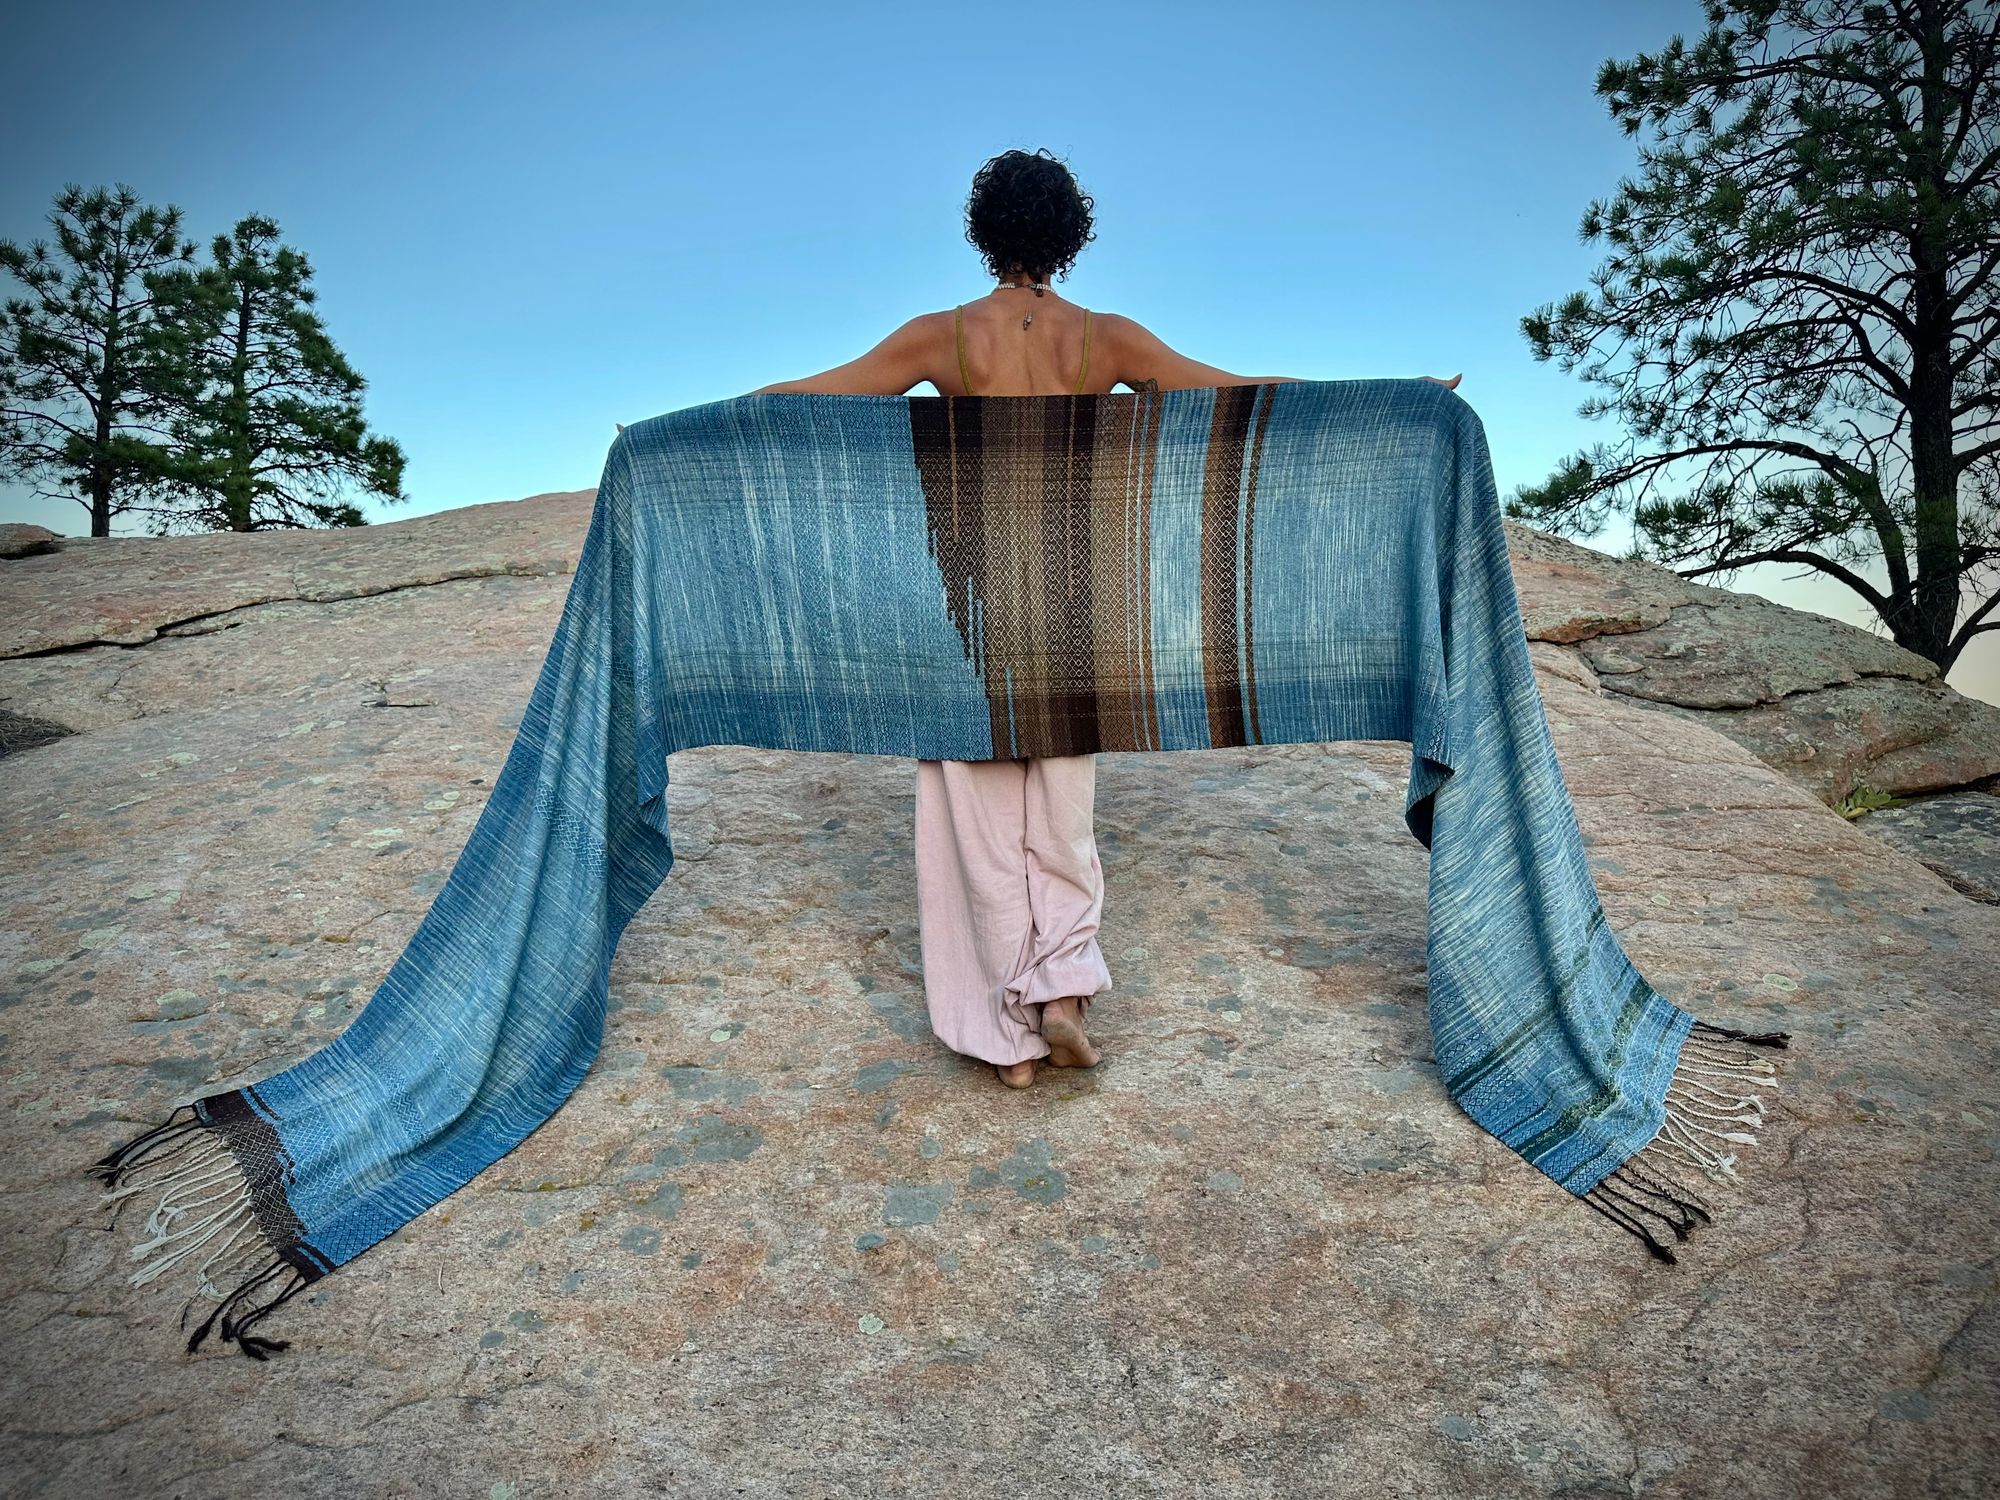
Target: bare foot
[1016,1075]
[1062,1029]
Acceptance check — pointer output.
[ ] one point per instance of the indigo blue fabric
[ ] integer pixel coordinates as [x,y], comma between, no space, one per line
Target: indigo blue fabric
[973,578]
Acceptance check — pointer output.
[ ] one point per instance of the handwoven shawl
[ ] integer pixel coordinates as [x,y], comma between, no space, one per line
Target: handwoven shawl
[981,578]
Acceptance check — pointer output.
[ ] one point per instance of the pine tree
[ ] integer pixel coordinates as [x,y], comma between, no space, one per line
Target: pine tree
[1801,298]
[269,426]
[81,401]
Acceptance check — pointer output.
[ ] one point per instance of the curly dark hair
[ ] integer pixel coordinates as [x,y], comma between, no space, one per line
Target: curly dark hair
[1026,213]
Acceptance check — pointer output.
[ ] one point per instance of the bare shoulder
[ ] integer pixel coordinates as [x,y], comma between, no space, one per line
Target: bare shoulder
[1135,354]
[920,342]
[1119,339]
[1111,325]
[934,332]
[924,325]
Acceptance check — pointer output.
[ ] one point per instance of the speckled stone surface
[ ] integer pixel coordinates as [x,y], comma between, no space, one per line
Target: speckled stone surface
[1957,834]
[781,1243]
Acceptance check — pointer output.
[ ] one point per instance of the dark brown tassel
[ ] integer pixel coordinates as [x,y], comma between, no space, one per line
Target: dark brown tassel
[1673,1192]
[1760,1039]
[255,1347]
[115,1163]
[236,1328]
[1624,1221]
[1683,1218]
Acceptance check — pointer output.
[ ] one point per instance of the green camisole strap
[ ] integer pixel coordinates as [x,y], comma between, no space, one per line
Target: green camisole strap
[1084,373]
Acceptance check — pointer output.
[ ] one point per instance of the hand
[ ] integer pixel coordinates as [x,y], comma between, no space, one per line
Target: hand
[1451,384]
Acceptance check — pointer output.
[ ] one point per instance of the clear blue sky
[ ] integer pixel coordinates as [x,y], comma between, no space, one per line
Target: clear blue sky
[530,222]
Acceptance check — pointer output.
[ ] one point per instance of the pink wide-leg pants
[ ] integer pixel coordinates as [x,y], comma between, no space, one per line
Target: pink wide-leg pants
[1009,893]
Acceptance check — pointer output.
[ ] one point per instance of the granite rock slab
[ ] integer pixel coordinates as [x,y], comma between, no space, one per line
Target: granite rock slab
[781,1242]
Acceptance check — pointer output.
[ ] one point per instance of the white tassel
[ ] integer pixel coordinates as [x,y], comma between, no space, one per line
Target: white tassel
[215,1224]
[211,1177]
[1710,1163]
[163,1215]
[1695,1111]
[1699,1083]
[244,1248]
[1666,1146]
[1710,1096]
[1702,1062]
[205,1158]
[1740,1137]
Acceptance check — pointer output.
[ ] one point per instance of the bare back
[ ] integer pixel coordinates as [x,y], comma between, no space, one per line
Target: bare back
[1004,359]
[1053,355]
[1048,356]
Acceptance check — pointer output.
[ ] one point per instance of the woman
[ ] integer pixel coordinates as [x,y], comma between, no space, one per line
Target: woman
[1009,886]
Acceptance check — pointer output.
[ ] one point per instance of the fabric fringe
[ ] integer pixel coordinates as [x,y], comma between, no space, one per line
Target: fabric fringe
[1712,1100]
[204,1202]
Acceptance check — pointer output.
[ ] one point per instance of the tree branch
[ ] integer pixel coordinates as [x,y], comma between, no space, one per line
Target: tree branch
[1825,565]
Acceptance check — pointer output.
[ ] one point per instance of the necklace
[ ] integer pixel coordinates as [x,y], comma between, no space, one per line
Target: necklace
[1037,287]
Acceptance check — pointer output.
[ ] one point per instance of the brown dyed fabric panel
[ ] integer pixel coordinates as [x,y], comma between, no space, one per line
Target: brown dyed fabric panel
[1249,581]
[1037,511]
[1221,492]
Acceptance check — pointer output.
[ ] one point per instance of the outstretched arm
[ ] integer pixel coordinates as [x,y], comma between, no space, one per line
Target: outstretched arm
[901,360]
[1138,354]
[905,359]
